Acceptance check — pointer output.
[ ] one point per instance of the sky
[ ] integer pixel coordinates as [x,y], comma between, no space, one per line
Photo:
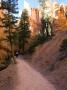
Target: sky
[63,1]
[34,3]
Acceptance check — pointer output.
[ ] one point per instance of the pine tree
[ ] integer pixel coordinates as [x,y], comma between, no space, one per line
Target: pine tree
[9,21]
[46,18]
[24,32]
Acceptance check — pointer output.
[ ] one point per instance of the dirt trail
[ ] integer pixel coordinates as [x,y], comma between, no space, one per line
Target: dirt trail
[47,56]
[22,77]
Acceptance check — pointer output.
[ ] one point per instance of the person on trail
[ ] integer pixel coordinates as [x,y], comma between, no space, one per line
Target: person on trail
[17,53]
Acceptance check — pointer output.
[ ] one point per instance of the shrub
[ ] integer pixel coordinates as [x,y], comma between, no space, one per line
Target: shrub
[38,39]
[63,46]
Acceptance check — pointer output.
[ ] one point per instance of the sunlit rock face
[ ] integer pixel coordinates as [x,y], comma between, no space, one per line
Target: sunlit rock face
[48,9]
[0,3]
[1,28]
[61,20]
[34,20]
[2,35]
[55,8]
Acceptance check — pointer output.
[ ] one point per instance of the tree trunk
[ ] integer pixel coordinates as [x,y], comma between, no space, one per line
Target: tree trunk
[12,49]
[47,32]
[12,46]
[23,48]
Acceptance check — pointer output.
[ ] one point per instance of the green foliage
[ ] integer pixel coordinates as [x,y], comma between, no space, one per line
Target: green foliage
[46,18]
[38,40]
[10,5]
[63,50]
[24,32]
[42,3]
[46,29]
[9,23]
[5,63]
[63,46]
